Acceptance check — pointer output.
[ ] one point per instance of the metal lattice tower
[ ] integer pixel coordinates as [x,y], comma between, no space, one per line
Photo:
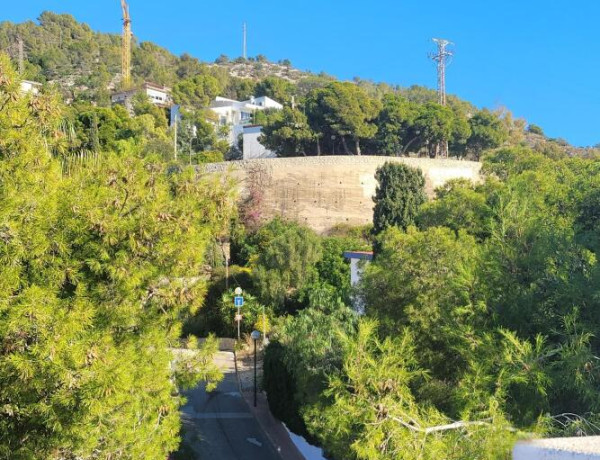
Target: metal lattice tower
[441,57]
[126,47]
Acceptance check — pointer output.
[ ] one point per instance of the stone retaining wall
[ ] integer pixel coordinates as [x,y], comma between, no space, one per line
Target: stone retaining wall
[322,192]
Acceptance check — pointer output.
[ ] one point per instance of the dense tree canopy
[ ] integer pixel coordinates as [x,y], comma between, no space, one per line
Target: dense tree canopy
[286,262]
[287,133]
[348,111]
[99,267]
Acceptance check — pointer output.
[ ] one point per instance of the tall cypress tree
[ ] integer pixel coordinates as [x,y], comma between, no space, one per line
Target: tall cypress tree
[400,192]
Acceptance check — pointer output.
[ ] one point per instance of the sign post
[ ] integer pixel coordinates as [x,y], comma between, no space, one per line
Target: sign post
[238,302]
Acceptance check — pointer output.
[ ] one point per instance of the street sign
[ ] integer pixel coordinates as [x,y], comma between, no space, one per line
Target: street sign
[238,317]
[238,301]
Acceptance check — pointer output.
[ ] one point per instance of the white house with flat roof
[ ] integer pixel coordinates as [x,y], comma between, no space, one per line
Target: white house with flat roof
[157,94]
[237,114]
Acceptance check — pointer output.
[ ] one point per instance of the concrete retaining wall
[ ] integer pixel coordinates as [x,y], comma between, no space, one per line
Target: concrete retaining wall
[322,192]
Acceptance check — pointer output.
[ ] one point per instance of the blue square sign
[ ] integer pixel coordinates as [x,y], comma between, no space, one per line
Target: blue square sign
[238,301]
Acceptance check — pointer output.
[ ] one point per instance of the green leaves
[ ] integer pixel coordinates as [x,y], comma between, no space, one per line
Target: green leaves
[98,269]
[288,133]
[400,192]
[286,263]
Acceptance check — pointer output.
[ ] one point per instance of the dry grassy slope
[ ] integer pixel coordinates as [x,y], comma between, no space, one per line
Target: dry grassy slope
[323,192]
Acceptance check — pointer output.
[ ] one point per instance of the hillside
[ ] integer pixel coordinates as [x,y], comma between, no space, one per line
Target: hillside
[85,65]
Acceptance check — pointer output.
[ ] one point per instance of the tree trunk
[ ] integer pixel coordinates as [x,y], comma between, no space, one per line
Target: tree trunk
[318,148]
[357,146]
[346,149]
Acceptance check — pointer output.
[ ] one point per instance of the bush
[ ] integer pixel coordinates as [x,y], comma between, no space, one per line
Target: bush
[210,156]
[281,388]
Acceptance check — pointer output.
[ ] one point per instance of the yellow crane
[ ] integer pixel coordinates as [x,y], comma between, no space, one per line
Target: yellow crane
[126,46]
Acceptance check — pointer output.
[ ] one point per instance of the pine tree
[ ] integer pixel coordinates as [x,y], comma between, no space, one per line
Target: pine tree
[97,270]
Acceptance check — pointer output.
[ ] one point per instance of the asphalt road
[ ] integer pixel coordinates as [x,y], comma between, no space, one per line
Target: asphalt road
[219,426]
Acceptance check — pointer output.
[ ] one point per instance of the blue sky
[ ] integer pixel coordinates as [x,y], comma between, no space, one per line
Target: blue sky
[538,58]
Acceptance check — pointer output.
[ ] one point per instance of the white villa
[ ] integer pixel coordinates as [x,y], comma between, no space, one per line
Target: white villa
[158,95]
[238,116]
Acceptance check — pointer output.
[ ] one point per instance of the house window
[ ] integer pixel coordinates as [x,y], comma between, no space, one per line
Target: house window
[246,116]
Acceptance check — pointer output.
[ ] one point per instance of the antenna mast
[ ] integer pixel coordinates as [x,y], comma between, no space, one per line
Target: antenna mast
[126,46]
[21,56]
[442,57]
[244,42]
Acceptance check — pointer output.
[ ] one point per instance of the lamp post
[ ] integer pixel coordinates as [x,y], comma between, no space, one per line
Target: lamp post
[238,301]
[264,326]
[255,336]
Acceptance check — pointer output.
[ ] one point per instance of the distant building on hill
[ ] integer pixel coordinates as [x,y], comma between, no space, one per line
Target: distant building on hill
[32,87]
[239,114]
[157,94]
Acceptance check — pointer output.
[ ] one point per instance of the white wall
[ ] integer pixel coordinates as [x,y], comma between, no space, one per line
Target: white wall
[30,87]
[158,97]
[581,448]
[253,148]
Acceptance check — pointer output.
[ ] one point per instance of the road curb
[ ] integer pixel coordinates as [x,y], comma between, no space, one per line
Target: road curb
[237,374]
[276,445]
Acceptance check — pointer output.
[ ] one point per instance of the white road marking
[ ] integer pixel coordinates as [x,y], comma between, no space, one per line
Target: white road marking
[254,441]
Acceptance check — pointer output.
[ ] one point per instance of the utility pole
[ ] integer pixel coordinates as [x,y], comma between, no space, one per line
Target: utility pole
[21,57]
[441,58]
[126,46]
[244,42]
[175,138]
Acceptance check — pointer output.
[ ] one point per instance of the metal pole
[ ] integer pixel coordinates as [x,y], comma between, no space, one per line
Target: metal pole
[238,321]
[264,326]
[254,372]
[175,139]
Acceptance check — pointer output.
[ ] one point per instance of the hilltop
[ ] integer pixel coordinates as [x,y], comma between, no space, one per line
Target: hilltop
[85,65]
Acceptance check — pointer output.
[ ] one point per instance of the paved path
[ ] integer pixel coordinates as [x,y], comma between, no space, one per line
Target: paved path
[219,425]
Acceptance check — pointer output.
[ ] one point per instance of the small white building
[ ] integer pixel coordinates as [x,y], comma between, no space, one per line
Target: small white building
[237,114]
[358,260]
[32,87]
[252,147]
[157,94]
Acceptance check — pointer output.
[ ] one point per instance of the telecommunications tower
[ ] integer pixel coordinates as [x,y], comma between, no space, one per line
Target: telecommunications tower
[245,42]
[442,57]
